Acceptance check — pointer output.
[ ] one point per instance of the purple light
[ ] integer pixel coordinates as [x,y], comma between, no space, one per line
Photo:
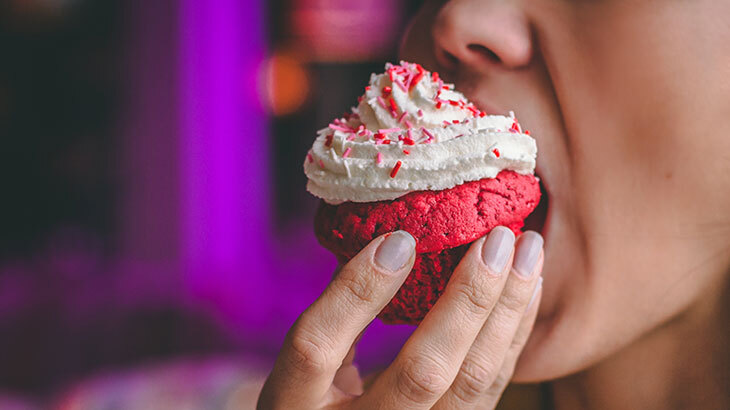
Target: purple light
[224,158]
[234,266]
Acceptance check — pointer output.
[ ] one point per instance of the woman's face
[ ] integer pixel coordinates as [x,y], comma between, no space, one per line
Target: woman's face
[629,102]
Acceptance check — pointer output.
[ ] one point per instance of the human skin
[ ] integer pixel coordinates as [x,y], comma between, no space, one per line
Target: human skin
[462,355]
[629,102]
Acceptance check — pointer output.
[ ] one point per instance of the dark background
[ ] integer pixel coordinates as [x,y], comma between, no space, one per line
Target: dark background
[116,253]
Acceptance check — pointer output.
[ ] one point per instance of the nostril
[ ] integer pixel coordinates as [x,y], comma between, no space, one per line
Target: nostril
[484,51]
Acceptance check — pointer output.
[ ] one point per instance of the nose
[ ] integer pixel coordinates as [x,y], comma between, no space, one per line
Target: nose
[478,34]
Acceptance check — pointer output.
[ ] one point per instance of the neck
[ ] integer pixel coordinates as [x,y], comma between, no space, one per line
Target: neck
[683,365]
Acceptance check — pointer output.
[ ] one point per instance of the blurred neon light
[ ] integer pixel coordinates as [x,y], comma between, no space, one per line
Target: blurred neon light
[224,157]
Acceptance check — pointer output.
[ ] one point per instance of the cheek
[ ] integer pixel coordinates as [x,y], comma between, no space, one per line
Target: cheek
[649,184]
[417,42]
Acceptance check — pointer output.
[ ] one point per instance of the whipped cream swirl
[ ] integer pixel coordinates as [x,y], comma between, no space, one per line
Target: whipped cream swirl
[412,132]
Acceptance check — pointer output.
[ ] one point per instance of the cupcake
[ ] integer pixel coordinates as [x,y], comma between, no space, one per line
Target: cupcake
[416,155]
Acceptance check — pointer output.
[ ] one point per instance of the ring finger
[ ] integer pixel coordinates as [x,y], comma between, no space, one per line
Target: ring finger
[483,362]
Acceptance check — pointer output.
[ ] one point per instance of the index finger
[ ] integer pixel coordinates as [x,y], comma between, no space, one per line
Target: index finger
[320,339]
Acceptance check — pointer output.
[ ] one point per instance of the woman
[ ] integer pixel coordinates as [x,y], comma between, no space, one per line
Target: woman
[630,104]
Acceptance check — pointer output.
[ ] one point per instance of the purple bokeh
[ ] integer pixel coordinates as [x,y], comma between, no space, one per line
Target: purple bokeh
[224,158]
[256,281]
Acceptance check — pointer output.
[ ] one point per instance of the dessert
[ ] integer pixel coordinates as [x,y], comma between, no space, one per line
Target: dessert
[416,155]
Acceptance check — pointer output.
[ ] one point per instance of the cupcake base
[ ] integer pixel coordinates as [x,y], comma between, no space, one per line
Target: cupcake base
[443,223]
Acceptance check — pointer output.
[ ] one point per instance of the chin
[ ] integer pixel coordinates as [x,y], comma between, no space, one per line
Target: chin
[534,364]
[547,356]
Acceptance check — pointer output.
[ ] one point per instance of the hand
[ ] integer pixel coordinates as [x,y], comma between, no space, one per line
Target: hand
[461,356]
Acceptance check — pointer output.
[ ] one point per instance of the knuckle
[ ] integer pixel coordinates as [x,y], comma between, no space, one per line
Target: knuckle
[514,301]
[357,290]
[308,353]
[473,296]
[474,380]
[421,380]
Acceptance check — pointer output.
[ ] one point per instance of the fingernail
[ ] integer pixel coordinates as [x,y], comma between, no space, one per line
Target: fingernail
[527,253]
[535,292]
[395,251]
[498,248]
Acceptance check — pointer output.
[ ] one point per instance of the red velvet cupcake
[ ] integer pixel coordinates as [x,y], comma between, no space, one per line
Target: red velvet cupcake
[416,155]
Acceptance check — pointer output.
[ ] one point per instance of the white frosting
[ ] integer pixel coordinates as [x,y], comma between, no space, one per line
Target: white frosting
[350,162]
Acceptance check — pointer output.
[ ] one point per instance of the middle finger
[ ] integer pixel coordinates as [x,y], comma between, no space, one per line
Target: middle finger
[430,359]
[486,357]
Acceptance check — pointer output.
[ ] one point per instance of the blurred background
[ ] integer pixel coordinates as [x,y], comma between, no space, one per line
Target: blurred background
[155,232]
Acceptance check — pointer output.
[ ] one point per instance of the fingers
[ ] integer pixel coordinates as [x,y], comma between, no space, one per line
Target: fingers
[430,359]
[508,366]
[319,341]
[347,377]
[489,364]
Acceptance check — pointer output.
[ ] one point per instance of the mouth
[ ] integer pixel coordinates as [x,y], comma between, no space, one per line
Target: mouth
[537,220]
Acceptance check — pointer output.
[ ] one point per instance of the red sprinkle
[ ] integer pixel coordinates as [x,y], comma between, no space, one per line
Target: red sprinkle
[392,104]
[438,104]
[387,90]
[379,136]
[482,114]
[455,121]
[435,76]
[527,132]
[328,140]
[417,78]
[337,233]
[310,158]
[453,102]
[405,151]
[394,172]
[379,158]
[409,141]
[386,142]
[495,152]
[321,164]
[346,153]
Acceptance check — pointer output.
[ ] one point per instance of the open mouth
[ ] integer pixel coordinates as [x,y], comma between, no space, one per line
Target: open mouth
[537,221]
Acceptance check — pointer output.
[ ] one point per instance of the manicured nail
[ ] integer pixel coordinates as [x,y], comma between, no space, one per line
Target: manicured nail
[527,253]
[395,251]
[498,248]
[535,292]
